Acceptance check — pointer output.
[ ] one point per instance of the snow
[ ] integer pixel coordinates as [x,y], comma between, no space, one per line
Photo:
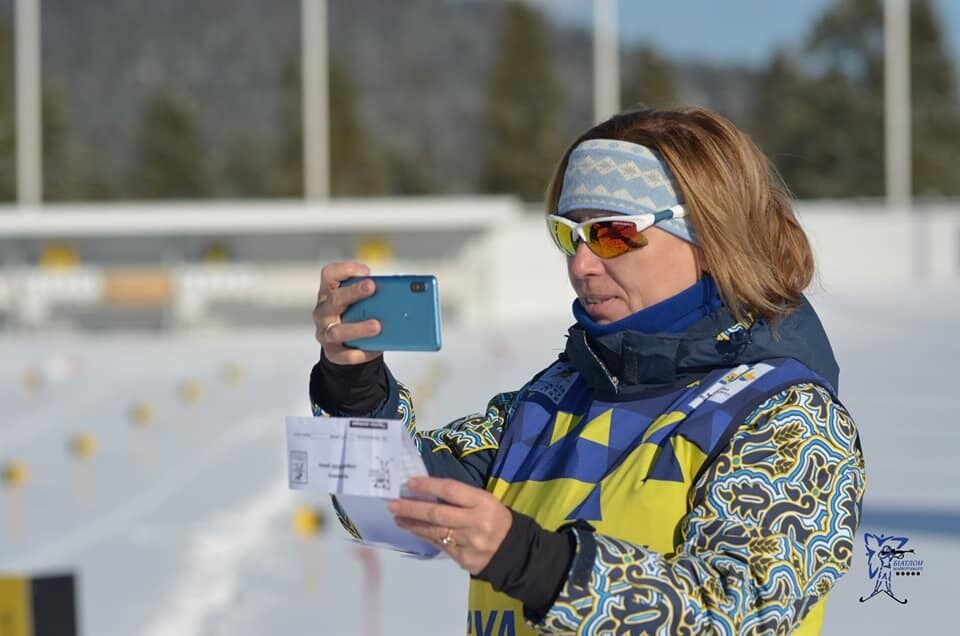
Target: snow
[184,526]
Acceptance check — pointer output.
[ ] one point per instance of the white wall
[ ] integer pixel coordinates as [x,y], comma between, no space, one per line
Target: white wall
[495,262]
[860,245]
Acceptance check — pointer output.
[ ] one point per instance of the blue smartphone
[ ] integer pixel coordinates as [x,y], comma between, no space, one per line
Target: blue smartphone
[408,308]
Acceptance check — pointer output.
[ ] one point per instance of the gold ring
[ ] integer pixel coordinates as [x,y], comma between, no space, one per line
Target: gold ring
[323,332]
[448,541]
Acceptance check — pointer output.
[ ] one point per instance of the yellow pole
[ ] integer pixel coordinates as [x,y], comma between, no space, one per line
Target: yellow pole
[83,446]
[190,393]
[32,381]
[231,373]
[14,478]
[308,522]
[142,416]
[312,579]
[14,516]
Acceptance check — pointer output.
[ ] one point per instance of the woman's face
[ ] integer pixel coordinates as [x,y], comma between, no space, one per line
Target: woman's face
[613,288]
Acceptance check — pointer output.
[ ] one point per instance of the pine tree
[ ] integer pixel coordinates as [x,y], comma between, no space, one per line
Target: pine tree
[8,187]
[409,174]
[935,107]
[288,177]
[358,165]
[824,128]
[523,113]
[650,80]
[171,158]
[72,170]
[246,173]
[781,122]
[824,134]
[57,171]
[848,39]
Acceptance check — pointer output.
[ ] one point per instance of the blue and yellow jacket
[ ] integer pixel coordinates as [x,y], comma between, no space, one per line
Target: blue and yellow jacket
[712,479]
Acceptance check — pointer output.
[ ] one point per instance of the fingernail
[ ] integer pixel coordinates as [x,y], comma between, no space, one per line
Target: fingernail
[393,506]
[413,482]
[368,286]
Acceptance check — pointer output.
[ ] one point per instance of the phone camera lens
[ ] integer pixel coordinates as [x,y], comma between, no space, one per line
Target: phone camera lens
[418,286]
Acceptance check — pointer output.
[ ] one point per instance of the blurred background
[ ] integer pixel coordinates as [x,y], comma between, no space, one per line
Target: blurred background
[173,175]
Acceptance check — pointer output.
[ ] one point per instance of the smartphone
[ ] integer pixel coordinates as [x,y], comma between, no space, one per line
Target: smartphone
[408,308]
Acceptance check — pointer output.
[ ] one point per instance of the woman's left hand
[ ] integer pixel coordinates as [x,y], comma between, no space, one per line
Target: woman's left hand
[473,522]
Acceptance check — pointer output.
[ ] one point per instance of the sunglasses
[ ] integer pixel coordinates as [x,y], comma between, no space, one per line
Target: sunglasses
[607,236]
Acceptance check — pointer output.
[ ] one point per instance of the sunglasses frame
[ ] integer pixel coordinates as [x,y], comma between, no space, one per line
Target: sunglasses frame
[640,221]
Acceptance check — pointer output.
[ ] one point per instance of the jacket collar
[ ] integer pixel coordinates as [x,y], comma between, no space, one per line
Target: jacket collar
[626,362]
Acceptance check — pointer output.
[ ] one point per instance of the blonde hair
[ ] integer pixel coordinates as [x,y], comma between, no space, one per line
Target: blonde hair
[751,242]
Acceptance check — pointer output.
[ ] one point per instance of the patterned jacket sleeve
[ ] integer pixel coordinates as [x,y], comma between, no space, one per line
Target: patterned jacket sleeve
[770,532]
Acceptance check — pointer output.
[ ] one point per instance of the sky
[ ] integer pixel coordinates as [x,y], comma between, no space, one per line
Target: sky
[735,31]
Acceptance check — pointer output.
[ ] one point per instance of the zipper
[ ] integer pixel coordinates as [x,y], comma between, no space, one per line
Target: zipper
[614,380]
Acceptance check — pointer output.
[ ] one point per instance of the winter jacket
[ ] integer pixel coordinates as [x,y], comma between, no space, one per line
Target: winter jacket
[712,479]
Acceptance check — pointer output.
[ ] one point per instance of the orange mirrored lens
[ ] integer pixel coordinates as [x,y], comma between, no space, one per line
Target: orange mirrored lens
[613,238]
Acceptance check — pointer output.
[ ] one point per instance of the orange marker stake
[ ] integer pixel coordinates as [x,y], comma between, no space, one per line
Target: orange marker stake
[370,561]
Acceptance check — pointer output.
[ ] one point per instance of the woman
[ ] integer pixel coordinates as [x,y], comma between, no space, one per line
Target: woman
[685,465]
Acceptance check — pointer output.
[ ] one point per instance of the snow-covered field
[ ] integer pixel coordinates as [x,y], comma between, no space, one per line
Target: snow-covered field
[184,526]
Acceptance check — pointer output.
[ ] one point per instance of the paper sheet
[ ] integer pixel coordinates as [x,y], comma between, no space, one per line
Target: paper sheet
[365,463]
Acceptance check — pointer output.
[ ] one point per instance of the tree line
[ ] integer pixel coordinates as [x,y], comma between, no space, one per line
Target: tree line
[817,112]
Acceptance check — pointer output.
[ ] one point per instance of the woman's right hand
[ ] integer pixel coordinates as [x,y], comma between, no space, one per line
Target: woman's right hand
[332,301]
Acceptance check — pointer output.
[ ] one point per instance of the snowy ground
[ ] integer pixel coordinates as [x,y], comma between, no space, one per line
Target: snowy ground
[184,527]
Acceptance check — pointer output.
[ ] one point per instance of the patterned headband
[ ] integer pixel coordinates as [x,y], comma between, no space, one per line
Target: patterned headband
[621,177]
